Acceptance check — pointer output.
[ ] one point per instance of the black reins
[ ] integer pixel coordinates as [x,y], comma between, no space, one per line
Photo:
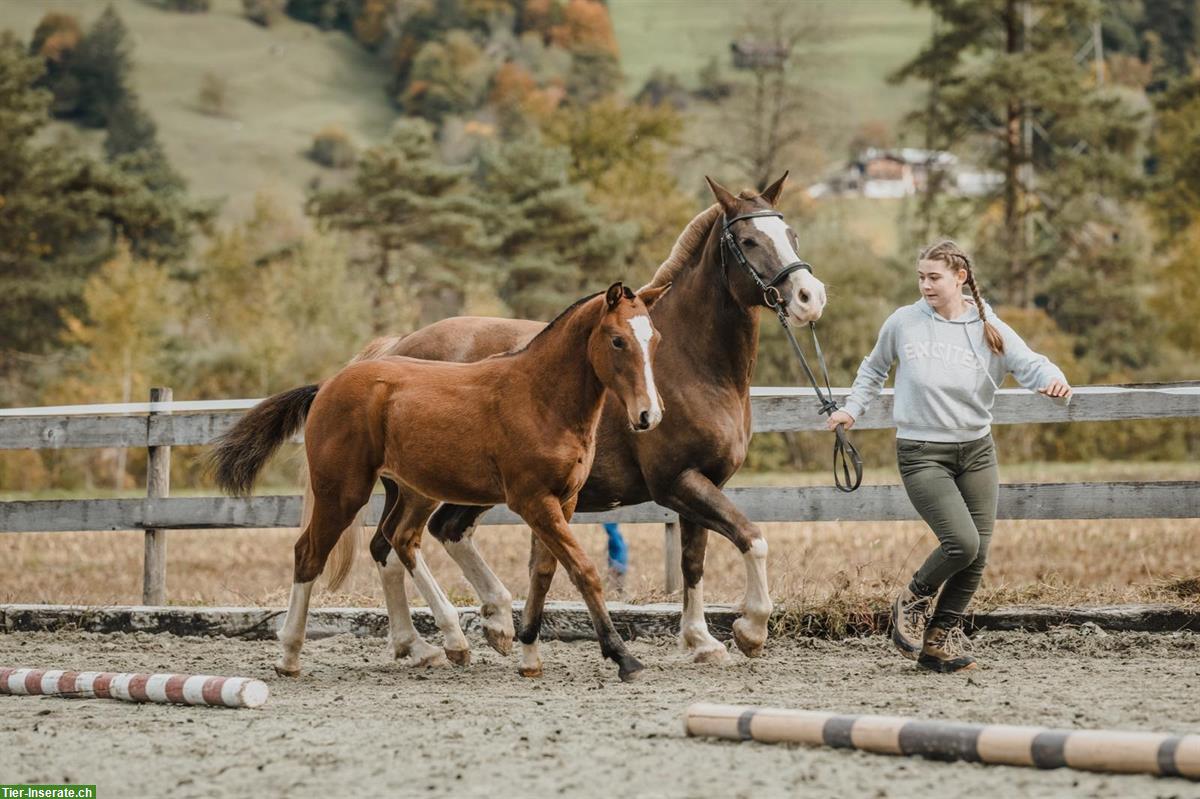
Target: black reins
[845,456]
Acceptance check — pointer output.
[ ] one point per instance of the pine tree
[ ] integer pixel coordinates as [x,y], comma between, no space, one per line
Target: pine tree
[1055,234]
[423,227]
[553,245]
[61,214]
[100,66]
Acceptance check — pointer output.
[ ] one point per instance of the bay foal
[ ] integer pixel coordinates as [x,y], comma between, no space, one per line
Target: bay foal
[518,428]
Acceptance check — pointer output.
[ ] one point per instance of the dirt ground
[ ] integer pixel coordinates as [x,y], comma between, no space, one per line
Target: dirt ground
[357,723]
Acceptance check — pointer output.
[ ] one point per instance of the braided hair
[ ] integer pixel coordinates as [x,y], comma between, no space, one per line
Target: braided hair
[956,258]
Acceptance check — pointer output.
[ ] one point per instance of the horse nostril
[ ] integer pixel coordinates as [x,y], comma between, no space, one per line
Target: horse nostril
[804,296]
[644,420]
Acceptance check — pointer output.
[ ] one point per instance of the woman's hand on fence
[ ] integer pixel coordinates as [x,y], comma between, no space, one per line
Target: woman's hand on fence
[1057,389]
[839,417]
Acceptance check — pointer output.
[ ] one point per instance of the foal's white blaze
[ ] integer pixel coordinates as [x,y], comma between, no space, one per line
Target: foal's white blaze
[643,331]
[802,281]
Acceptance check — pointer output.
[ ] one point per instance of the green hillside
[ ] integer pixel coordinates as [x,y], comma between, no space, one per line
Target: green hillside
[287,82]
[864,41]
[284,84]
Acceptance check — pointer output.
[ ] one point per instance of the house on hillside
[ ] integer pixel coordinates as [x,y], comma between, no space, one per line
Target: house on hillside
[879,173]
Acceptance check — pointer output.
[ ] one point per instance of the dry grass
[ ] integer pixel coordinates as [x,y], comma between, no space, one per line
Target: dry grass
[845,569]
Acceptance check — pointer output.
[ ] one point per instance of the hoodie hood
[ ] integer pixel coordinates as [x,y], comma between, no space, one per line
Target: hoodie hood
[969,316]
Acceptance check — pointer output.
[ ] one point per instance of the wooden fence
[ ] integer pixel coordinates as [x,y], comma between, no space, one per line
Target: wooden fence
[161,424]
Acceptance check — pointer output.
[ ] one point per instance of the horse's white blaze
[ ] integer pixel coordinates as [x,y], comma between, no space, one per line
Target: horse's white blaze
[802,281]
[643,331]
[774,228]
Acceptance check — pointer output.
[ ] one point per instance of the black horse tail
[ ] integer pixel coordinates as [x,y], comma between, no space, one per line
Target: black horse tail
[239,455]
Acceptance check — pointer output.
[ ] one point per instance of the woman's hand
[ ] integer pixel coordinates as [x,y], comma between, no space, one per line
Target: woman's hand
[839,417]
[1057,389]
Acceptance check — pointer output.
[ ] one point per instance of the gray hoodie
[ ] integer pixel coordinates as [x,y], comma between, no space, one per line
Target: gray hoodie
[946,378]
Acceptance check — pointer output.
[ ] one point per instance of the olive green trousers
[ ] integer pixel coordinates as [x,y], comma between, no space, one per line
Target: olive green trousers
[954,487]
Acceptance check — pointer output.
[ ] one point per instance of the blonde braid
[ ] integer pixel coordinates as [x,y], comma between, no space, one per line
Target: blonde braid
[956,258]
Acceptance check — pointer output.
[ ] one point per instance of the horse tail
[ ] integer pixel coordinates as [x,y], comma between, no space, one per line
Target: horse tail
[238,455]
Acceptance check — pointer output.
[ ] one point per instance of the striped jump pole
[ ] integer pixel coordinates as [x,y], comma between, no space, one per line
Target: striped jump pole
[177,689]
[1039,747]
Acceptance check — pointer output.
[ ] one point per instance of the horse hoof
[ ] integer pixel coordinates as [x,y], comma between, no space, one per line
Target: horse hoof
[285,671]
[499,640]
[434,659]
[630,670]
[459,657]
[530,671]
[715,654]
[750,644]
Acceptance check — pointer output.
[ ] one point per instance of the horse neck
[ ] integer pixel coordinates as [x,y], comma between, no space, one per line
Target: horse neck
[561,378]
[701,316]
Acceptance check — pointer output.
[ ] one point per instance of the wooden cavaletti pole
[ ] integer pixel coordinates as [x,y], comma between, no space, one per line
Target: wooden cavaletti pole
[1088,750]
[179,689]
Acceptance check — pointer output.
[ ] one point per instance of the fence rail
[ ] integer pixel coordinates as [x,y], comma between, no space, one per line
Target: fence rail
[774,410]
[161,424]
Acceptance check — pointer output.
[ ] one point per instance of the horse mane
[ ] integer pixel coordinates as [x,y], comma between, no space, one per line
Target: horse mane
[688,245]
[566,312]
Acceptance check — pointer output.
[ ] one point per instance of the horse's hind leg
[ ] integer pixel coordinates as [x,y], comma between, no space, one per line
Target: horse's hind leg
[406,642]
[407,542]
[693,627]
[495,601]
[333,508]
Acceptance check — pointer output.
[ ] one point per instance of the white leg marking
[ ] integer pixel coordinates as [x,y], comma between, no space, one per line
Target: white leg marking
[443,610]
[291,635]
[404,638]
[643,331]
[750,631]
[495,601]
[694,634]
[531,661]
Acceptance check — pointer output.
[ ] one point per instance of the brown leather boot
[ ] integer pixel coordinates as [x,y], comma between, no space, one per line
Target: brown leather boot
[945,648]
[910,614]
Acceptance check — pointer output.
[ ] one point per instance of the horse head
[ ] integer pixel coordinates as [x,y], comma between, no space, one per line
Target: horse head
[759,251]
[621,350]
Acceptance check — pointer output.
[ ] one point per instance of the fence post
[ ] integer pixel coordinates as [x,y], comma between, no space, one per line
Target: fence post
[158,484]
[672,555]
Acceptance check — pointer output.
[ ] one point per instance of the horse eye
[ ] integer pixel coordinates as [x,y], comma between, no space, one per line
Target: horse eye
[749,243]
[618,342]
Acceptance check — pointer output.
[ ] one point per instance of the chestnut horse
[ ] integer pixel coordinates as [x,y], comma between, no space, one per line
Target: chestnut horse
[710,322]
[518,428]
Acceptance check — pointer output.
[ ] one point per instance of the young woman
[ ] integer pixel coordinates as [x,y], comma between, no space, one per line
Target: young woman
[952,354]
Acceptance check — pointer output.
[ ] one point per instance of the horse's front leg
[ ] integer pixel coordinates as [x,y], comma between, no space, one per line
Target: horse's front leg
[701,503]
[694,636]
[546,516]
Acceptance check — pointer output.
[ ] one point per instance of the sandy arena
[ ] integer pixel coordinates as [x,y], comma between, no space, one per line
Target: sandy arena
[357,724]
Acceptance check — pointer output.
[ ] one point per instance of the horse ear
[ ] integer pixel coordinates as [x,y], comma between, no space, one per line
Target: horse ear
[614,294]
[651,295]
[628,293]
[771,193]
[724,197]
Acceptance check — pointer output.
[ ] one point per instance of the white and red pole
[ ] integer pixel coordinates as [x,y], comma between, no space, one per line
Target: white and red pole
[180,689]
